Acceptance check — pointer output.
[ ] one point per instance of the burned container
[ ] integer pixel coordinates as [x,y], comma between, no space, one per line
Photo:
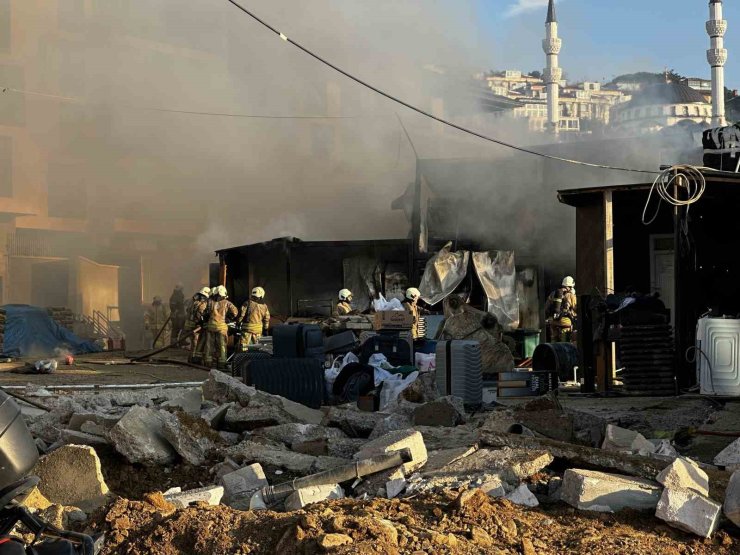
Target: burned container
[18,453]
[460,371]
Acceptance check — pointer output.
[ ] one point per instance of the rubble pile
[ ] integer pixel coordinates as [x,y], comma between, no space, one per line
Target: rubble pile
[226,467]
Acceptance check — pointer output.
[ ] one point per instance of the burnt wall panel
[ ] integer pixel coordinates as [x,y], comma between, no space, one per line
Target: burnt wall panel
[590,256]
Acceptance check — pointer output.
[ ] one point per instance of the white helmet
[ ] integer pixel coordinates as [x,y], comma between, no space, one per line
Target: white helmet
[412,293]
[221,291]
[569,282]
[205,291]
[258,293]
[344,294]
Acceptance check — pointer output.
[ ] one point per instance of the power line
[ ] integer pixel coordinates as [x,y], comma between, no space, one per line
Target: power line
[82,101]
[424,112]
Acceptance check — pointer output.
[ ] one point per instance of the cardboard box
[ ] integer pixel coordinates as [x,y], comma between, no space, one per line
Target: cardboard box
[393,320]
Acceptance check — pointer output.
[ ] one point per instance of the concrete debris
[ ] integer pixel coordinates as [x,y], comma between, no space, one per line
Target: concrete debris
[243,419]
[732,499]
[522,496]
[598,491]
[300,413]
[94,429]
[90,421]
[322,464]
[35,500]
[353,422]
[421,390]
[685,474]
[210,495]
[138,436]
[395,441]
[392,423]
[221,469]
[343,448]
[230,438]
[729,457]
[222,388]
[511,465]
[439,459]
[448,438]
[376,485]
[71,476]
[329,542]
[493,488]
[63,517]
[192,445]
[292,433]
[446,411]
[689,511]
[664,448]
[71,437]
[395,487]
[626,441]
[241,484]
[189,401]
[214,416]
[306,496]
[249,451]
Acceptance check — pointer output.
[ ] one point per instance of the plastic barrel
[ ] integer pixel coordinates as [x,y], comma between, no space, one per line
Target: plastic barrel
[556,357]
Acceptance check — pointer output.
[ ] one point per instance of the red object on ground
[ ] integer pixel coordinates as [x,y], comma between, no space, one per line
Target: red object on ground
[69,360]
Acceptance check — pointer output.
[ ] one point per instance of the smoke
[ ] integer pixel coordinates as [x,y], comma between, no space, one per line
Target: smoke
[330,171]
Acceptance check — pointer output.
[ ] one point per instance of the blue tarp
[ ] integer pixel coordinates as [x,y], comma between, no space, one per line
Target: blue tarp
[30,332]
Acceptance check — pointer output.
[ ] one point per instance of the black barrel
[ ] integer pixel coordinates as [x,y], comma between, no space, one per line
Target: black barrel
[556,357]
[298,379]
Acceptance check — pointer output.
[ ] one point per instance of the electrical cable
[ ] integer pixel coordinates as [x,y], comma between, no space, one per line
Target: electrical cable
[424,112]
[82,101]
[683,176]
[693,360]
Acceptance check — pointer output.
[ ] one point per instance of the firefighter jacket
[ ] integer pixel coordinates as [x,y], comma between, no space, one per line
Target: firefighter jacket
[221,312]
[561,303]
[255,317]
[177,305]
[197,312]
[155,317]
[343,308]
[413,309]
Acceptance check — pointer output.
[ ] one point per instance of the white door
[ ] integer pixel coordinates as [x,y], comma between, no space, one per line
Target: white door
[663,271]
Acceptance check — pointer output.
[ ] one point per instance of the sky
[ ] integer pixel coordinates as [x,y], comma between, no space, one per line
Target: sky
[605,38]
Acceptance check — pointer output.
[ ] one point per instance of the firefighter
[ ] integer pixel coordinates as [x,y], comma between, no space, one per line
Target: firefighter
[221,312]
[197,319]
[254,318]
[561,310]
[412,307]
[156,318]
[177,312]
[344,306]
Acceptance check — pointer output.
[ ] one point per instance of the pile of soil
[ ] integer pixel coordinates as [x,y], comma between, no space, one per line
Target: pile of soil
[466,523]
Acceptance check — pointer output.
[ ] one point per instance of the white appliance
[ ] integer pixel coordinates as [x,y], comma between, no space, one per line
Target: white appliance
[718,356]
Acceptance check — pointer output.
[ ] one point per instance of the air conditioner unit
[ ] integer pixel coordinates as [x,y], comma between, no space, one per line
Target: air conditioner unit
[460,371]
[718,356]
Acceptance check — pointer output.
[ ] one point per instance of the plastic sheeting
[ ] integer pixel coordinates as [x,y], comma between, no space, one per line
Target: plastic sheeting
[29,331]
[443,273]
[497,274]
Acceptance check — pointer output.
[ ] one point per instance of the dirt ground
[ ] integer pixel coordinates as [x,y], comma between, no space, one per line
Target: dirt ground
[444,523]
[105,368]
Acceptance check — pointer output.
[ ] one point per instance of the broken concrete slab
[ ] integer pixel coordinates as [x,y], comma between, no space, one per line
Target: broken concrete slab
[512,465]
[189,401]
[729,457]
[98,420]
[192,445]
[306,496]
[323,464]
[214,416]
[72,476]
[249,452]
[446,438]
[343,448]
[72,437]
[598,491]
[447,412]
[297,433]
[395,487]
[396,441]
[685,474]
[221,469]
[138,436]
[244,419]
[391,423]
[222,388]
[300,412]
[689,511]
[94,429]
[63,517]
[623,440]
[353,422]
[375,485]
[211,495]
[240,484]
[439,459]
[493,488]
[732,499]
[522,496]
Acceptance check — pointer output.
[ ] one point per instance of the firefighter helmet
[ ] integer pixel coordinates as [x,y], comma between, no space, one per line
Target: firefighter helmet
[568,281]
[258,293]
[205,291]
[345,295]
[412,293]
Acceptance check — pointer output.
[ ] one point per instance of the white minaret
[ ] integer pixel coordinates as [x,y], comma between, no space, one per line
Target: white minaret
[717,56]
[553,73]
